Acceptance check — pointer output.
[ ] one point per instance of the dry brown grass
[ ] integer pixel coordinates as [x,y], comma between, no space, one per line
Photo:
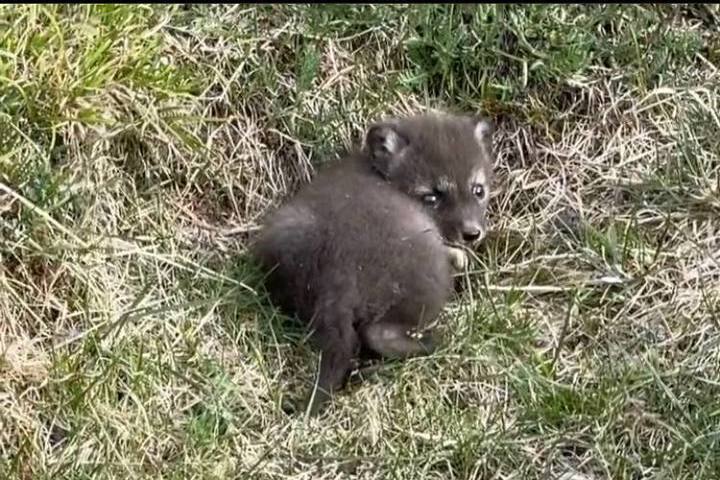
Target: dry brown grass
[141,145]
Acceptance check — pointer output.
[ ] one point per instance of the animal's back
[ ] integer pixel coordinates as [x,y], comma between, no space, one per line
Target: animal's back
[351,240]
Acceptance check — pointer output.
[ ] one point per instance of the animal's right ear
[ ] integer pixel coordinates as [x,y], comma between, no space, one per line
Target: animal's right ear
[483,131]
[384,144]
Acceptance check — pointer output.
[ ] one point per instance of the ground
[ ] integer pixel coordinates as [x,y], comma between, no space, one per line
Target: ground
[141,145]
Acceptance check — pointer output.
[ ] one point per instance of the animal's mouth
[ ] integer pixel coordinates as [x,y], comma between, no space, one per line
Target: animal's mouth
[455,244]
[464,244]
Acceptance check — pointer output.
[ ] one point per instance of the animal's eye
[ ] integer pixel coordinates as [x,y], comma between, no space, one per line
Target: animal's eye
[430,199]
[478,190]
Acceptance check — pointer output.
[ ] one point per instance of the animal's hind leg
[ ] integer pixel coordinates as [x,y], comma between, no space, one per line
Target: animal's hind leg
[338,347]
[392,340]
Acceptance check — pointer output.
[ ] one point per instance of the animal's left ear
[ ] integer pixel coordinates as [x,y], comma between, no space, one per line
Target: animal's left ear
[483,131]
[385,145]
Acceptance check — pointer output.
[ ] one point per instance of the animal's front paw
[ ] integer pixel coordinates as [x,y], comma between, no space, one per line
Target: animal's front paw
[458,258]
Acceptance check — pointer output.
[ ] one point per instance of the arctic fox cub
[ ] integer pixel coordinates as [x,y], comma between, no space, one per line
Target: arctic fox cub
[363,254]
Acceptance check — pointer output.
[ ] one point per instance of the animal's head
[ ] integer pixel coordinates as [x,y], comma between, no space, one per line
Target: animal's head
[445,162]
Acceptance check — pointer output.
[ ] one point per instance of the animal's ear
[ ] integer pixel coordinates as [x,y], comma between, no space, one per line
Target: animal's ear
[483,131]
[384,145]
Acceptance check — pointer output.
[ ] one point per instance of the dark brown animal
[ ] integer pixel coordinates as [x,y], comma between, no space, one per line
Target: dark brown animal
[361,253]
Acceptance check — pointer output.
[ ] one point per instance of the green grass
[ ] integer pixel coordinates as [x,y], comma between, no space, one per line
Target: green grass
[139,147]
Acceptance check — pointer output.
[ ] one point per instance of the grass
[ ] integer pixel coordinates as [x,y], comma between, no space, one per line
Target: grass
[140,146]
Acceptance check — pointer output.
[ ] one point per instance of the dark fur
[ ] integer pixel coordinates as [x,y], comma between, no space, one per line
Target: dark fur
[359,257]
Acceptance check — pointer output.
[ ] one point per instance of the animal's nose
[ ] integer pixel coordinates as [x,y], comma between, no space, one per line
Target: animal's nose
[471,233]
